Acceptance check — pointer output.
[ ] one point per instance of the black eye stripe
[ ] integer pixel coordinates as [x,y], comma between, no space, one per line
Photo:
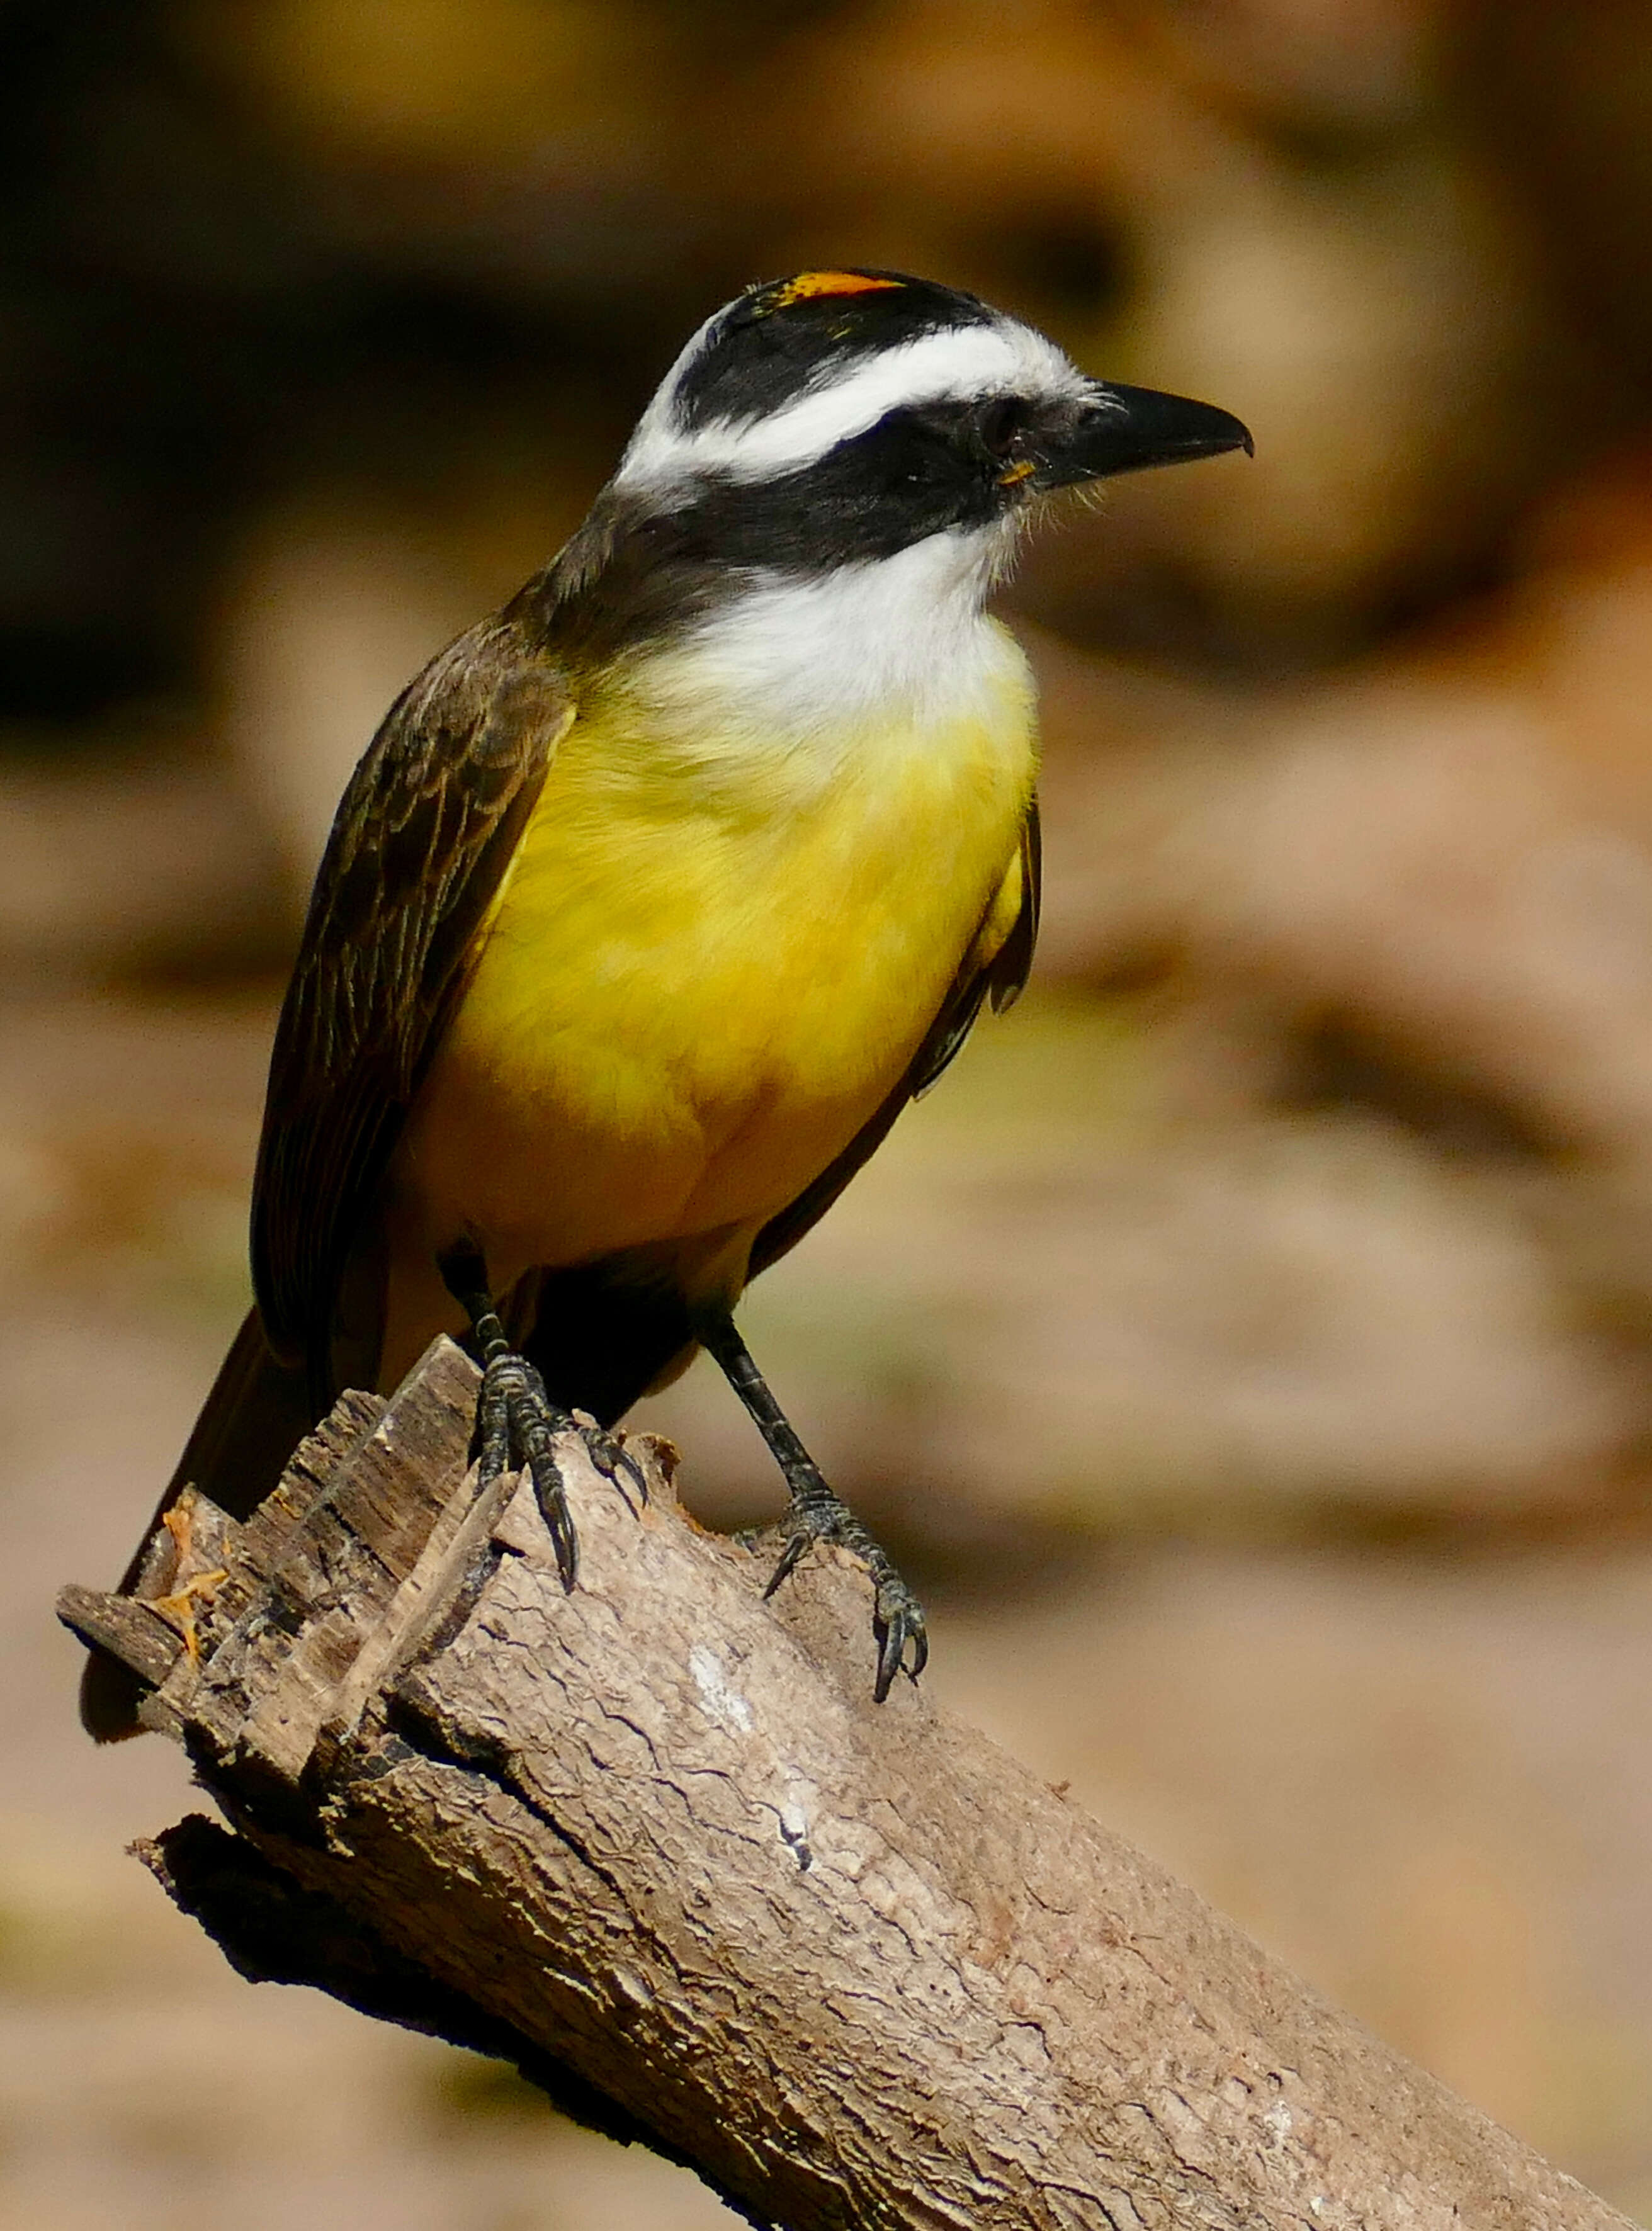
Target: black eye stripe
[638,570]
[650,559]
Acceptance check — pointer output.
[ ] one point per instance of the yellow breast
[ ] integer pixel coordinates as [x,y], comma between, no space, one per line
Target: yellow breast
[712,959]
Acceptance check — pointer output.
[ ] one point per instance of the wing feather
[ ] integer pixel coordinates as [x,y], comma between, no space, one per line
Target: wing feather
[422,838]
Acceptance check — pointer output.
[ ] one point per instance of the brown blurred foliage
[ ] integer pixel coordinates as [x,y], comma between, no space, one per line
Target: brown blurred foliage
[1252,1345]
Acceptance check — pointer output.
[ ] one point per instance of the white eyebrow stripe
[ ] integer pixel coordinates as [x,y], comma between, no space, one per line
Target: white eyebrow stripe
[951,365]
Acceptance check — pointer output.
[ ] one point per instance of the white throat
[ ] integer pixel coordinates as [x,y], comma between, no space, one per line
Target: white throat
[891,642]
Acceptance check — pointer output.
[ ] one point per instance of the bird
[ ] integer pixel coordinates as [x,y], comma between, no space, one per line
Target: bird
[662,890]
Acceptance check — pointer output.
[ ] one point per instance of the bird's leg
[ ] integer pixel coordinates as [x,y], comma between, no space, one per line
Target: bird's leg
[817,1512]
[517,1421]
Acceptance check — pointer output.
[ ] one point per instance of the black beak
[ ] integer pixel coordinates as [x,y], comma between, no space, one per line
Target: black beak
[1125,430]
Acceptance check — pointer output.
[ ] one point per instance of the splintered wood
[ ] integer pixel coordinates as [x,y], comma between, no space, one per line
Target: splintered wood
[653,1839]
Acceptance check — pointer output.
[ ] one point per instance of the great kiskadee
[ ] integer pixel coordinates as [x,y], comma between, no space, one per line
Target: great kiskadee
[661,892]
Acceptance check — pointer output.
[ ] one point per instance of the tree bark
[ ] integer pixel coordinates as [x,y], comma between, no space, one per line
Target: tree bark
[652,1840]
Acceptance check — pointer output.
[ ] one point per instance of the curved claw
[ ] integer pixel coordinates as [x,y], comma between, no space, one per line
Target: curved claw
[611,1459]
[790,1558]
[897,1621]
[514,1419]
[550,1491]
[550,1494]
[898,1617]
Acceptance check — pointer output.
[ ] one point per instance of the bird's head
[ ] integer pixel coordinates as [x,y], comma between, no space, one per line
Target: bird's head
[859,429]
[845,414]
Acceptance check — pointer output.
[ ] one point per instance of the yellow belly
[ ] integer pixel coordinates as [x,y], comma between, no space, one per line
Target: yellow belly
[698,981]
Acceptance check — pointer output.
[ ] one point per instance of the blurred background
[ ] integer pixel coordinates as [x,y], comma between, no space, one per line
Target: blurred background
[1249,1350]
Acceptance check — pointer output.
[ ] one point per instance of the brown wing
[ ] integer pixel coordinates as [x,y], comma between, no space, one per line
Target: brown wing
[1001,979]
[422,837]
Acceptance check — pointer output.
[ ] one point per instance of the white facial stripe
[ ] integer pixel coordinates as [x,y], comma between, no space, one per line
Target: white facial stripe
[950,366]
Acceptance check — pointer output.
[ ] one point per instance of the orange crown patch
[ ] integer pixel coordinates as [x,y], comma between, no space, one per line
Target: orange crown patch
[808,284]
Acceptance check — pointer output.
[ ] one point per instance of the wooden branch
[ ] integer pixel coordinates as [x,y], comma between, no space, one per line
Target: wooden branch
[654,1841]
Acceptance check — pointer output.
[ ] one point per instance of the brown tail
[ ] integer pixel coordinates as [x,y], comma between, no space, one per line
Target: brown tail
[253,1420]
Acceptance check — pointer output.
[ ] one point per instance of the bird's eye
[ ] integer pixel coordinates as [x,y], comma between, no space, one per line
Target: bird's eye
[1000,424]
